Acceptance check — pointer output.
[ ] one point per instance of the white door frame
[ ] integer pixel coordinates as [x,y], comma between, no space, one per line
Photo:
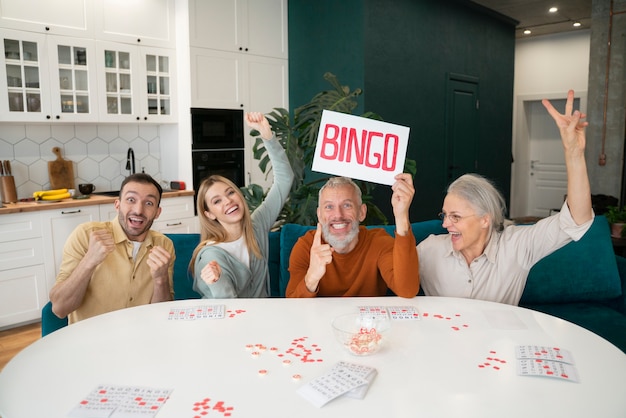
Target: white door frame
[521,148]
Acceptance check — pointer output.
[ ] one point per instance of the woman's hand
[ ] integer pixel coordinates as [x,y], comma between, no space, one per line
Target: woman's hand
[258,121]
[211,272]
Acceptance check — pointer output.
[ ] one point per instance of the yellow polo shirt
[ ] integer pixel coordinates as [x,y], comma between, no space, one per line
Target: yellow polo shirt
[119,281]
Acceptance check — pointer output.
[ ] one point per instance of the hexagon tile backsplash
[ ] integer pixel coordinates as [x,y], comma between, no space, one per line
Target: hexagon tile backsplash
[97,151]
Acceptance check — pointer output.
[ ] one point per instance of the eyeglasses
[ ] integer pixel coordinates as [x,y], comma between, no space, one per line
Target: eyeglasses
[454,218]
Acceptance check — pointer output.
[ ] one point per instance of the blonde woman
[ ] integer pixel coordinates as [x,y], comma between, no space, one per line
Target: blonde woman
[231,259]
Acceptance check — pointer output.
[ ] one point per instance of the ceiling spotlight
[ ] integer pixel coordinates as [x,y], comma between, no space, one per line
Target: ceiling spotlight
[527,32]
[576,24]
[553,9]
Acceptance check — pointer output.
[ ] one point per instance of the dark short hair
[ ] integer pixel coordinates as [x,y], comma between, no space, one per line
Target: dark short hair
[142,178]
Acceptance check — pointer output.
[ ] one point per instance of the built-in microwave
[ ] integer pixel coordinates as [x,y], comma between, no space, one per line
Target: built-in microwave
[216,129]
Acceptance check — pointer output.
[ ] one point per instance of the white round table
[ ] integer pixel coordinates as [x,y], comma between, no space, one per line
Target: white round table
[429,368]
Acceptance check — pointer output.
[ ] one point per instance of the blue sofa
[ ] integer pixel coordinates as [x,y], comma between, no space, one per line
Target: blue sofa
[583,282]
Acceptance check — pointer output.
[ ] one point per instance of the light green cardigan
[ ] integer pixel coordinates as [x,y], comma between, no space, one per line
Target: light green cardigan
[237,280]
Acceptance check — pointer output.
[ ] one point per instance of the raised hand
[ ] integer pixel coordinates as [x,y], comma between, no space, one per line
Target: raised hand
[570,124]
[321,255]
[258,121]
[211,272]
[159,262]
[401,199]
[100,245]
[572,130]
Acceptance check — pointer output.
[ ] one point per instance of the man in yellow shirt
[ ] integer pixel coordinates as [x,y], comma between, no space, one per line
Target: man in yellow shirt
[116,264]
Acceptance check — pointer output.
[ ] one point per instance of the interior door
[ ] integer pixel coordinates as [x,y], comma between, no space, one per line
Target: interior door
[461,125]
[547,185]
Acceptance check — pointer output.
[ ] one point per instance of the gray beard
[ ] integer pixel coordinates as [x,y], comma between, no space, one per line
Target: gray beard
[340,243]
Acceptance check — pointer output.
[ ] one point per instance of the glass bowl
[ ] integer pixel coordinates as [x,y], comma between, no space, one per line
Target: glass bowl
[361,334]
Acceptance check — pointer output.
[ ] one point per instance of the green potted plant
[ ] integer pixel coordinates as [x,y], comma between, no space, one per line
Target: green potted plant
[298,135]
[616,216]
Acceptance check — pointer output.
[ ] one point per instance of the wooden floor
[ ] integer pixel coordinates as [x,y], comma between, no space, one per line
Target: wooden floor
[13,340]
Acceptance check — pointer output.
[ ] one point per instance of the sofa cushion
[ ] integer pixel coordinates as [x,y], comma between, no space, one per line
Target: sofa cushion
[184,244]
[619,303]
[594,316]
[273,262]
[290,233]
[584,270]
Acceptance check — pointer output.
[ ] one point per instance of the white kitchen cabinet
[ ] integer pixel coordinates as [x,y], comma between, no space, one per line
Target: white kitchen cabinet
[107,212]
[57,225]
[177,215]
[139,22]
[238,54]
[73,86]
[47,78]
[257,27]
[268,89]
[59,17]
[23,291]
[229,80]
[135,84]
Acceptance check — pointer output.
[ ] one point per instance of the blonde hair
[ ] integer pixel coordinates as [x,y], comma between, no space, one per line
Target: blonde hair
[211,230]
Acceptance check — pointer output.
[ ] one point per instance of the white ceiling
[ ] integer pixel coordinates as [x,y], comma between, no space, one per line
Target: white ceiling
[534,15]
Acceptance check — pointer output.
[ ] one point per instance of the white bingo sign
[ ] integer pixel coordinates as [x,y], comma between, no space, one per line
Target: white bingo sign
[360,148]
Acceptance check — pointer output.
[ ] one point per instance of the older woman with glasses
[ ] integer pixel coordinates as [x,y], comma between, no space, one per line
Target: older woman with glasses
[482,257]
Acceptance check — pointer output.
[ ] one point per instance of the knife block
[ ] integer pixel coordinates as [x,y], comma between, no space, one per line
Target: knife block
[7,189]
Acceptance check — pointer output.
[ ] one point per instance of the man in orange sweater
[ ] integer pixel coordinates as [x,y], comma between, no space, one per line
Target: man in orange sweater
[341,258]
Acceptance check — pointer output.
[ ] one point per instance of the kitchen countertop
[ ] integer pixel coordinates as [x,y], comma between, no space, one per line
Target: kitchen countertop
[70,203]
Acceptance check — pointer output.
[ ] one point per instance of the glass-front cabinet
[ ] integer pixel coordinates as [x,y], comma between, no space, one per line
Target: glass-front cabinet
[47,78]
[158,73]
[24,78]
[136,83]
[120,68]
[73,79]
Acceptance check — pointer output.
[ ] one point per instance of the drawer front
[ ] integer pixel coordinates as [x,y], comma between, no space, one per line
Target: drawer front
[22,295]
[177,226]
[28,252]
[18,226]
[176,208]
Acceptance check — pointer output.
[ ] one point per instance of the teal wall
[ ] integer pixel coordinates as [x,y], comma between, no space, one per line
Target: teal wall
[400,52]
[324,36]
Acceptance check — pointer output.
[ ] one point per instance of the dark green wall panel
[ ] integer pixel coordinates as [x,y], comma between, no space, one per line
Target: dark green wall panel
[324,36]
[401,52]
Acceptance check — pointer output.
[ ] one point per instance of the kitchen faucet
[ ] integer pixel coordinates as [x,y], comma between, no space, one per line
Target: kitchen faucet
[130,160]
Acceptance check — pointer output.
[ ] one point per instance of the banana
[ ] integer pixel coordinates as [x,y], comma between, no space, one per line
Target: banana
[38,195]
[59,196]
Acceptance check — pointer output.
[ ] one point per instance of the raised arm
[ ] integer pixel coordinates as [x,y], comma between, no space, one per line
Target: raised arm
[69,290]
[403,276]
[267,213]
[572,130]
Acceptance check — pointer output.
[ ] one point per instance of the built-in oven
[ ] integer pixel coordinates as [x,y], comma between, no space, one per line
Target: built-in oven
[216,128]
[217,145]
[227,163]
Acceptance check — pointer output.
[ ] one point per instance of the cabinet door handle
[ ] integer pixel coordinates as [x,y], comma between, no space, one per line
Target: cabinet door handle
[70,212]
[177,223]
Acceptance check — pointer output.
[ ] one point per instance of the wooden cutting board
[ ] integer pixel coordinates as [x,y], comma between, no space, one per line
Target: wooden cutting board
[61,172]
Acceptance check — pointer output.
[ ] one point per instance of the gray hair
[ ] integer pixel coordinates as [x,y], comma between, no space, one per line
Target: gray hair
[482,194]
[338,182]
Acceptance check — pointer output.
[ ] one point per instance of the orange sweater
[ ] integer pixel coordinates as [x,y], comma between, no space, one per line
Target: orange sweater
[376,263]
